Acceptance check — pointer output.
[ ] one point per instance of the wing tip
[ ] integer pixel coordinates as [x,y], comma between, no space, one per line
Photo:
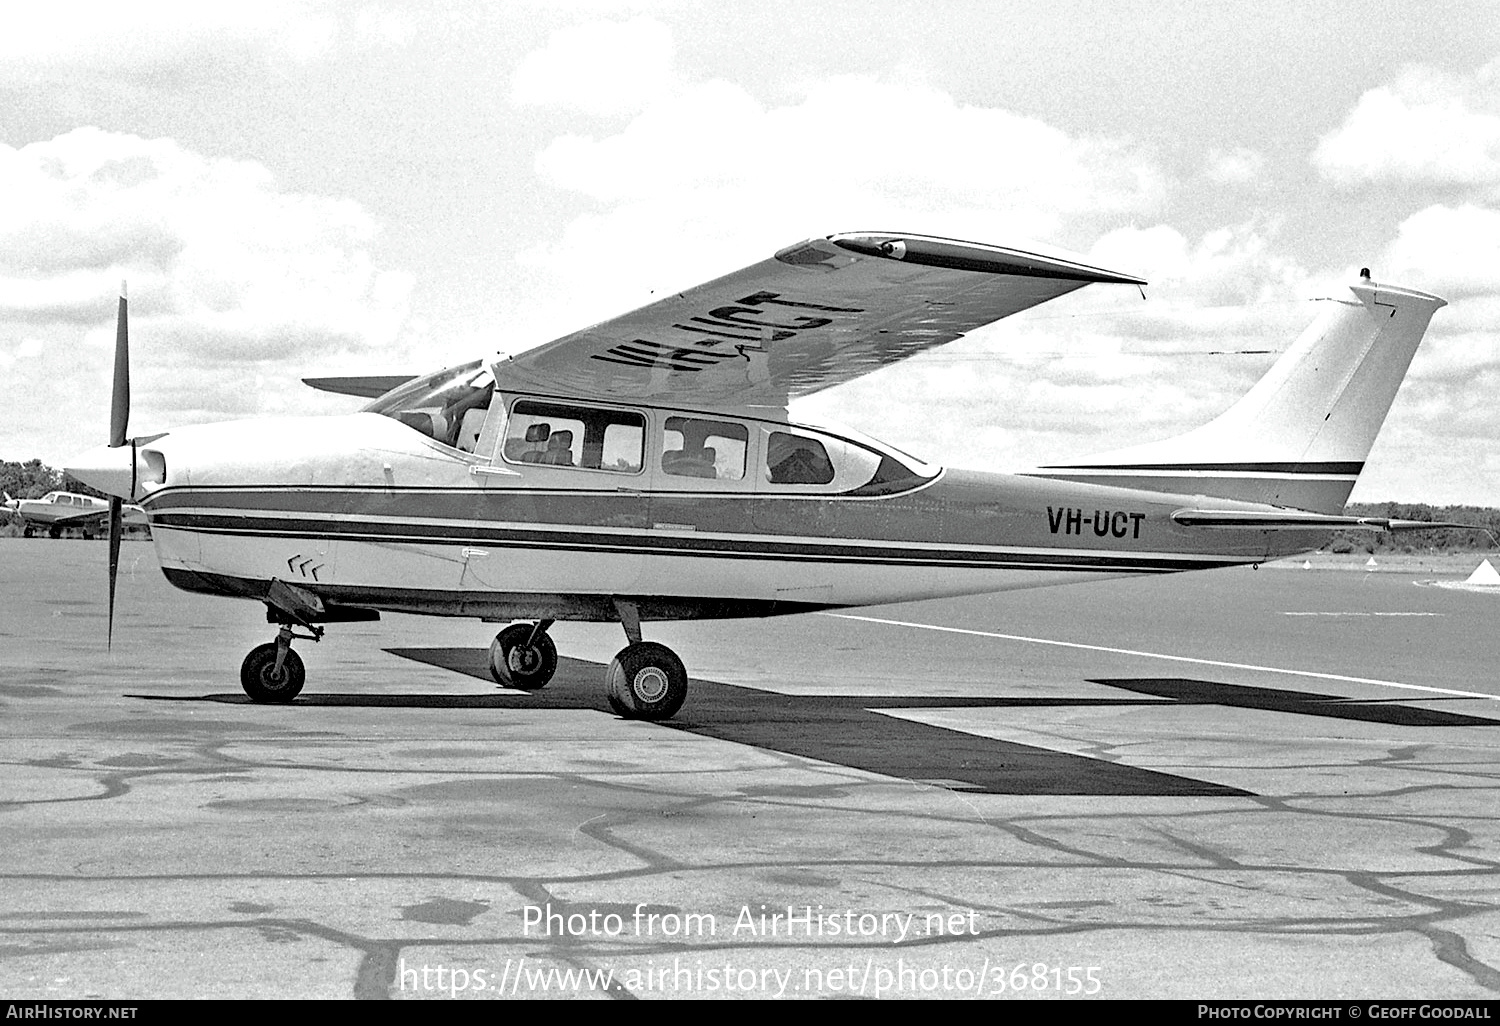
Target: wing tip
[933,251]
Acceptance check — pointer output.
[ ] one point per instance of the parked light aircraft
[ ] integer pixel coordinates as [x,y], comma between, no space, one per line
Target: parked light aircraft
[57,511]
[646,469]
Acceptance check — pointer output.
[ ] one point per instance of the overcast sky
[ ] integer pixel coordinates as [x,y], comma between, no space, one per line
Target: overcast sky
[298,188]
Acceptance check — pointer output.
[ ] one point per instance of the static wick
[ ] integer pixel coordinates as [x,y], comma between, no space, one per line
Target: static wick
[1143,290]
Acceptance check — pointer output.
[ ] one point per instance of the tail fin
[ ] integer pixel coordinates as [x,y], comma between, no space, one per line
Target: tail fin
[1299,438]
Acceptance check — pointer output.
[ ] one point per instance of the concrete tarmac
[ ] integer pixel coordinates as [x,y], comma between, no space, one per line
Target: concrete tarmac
[1236,784]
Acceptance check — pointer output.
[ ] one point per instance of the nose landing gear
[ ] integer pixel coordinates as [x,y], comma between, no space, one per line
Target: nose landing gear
[273,673]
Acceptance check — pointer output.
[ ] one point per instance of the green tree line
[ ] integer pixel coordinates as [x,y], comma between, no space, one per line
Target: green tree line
[1439,539]
[33,479]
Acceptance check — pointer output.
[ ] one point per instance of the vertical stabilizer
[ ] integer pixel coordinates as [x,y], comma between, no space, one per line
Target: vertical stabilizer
[1299,438]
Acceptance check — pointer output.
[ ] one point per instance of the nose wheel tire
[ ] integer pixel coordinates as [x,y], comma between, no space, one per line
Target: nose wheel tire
[264,683]
[519,660]
[646,681]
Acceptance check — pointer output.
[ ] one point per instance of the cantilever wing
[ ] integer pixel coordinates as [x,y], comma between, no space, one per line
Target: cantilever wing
[815,315]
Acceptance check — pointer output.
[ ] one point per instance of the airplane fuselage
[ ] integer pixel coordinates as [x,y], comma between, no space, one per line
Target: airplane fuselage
[368,513]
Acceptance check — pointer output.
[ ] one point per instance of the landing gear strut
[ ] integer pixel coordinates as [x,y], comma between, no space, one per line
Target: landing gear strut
[523,656]
[646,680]
[272,672]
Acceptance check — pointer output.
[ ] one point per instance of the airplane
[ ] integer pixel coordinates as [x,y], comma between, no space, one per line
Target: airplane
[56,511]
[647,469]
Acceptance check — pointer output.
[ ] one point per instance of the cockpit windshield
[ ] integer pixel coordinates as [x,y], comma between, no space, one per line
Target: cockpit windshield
[448,406]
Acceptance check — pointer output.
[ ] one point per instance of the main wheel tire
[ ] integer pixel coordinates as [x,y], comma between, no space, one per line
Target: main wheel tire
[516,664]
[646,681]
[262,683]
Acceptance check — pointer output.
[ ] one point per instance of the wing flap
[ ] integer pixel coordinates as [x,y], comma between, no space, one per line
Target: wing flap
[815,315]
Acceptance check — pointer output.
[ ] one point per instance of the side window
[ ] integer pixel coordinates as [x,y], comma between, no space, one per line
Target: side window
[797,459]
[708,449]
[564,435]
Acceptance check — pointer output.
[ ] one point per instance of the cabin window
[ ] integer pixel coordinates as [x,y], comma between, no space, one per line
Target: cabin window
[707,449]
[565,435]
[448,406]
[797,459]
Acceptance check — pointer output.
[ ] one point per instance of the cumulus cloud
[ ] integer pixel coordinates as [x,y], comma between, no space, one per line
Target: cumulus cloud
[602,67]
[226,271]
[709,177]
[1234,167]
[1454,251]
[1428,126]
[210,243]
[912,143]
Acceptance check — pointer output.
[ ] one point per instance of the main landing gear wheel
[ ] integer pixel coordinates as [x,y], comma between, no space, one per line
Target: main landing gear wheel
[646,681]
[263,682]
[523,657]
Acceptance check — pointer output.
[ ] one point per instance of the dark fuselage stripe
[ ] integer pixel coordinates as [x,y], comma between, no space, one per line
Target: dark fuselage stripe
[674,545]
[1346,468]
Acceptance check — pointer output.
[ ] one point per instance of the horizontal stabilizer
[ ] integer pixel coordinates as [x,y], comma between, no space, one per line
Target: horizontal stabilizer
[369,386]
[1295,520]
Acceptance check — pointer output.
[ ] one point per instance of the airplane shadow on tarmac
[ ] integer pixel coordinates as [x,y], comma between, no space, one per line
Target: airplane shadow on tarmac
[850,730]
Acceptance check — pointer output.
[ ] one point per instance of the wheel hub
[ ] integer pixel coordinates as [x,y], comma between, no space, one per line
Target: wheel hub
[650,684]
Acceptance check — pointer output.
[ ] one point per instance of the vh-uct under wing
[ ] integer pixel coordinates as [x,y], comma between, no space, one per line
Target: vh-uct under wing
[646,469]
[817,314]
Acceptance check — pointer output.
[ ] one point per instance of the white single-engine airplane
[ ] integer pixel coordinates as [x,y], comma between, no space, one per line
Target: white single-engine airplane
[57,511]
[646,469]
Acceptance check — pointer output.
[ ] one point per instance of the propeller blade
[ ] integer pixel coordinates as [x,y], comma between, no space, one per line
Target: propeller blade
[119,431]
[116,528]
[119,407]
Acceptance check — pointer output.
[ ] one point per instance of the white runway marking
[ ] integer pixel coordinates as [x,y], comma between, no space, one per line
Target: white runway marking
[1358,614]
[1171,658]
